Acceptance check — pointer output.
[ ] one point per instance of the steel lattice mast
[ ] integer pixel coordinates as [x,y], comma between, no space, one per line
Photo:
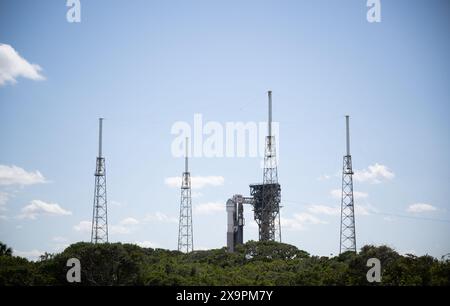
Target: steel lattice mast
[348,236]
[99,233]
[185,230]
[270,226]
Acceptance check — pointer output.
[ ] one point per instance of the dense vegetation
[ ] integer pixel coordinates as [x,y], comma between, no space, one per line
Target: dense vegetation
[255,263]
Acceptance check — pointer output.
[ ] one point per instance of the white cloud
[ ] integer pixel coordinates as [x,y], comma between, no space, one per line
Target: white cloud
[202,248]
[125,226]
[299,220]
[407,252]
[147,244]
[129,221]
[324,177]
[374,174]
[12,66]
[60,247]
[160,217]
[291,224]
[308,218]
[83,226]
[360,195]
[420,208]
[324,210]
[389,219]
[59,239]
[197,182]
[115,203]
[30,255]
[337,193]
[209,208]
[196,194]
[13,175]
[4,197]
[61,243]
[363,210]
[120,229]
[38,208]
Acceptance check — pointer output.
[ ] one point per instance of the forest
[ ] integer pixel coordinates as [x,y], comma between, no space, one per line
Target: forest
[253,263]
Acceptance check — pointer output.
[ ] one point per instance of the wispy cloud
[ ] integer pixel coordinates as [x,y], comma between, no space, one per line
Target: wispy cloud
[209,208]
[337,194]
[40,208]
[421,208]
[129,221]
[60,247]
[374,174]
[59,239]
[83,226]
[125,226]
[299,221]
[13,175]
[324,177]
[119,229]
[60,243]
[196,194]
[30,255]
[147,244]
[115,203]
[363,210]
[4,197]
[324,210]
[12,66]
[197,182]
[407,252]
[160,217]
[389,219]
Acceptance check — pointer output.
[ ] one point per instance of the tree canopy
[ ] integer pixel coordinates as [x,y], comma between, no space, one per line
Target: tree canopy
[254,263]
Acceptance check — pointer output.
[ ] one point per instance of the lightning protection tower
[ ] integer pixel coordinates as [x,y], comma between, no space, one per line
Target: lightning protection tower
[348,237]
[185,231]
[99,233]
[268,195]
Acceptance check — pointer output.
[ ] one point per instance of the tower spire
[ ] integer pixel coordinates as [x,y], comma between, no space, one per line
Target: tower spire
[347,232]
[347,125]
[269,122]
[99,231]
[100,134]
[268,216]
[185,230]
[186,156]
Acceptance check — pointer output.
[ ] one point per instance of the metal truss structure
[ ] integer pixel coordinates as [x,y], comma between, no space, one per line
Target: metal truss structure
[348,232]
[99,233]
[185,229]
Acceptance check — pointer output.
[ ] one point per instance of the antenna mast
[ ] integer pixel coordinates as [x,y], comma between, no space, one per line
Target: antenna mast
[185,230]
[99,233]
[347,233]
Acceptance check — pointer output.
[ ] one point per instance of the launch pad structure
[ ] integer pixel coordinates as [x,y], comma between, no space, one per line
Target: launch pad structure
[265,199]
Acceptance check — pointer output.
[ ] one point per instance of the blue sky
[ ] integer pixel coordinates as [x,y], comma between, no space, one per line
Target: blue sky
[144,65]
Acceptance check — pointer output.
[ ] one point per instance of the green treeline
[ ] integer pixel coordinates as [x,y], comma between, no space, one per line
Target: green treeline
[254,263]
